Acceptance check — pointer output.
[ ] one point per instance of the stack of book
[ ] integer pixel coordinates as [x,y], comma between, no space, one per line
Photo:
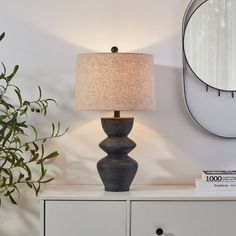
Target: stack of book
[223,180]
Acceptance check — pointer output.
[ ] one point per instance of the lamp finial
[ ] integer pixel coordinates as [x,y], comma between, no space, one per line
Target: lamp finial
[114,49]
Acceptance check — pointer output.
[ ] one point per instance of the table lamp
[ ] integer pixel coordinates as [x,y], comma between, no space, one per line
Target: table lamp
[115,82]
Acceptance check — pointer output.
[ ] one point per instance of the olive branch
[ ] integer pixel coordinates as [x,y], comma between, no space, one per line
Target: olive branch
[19,157]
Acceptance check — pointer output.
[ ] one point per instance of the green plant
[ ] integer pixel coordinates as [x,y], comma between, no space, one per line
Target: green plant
[20,154]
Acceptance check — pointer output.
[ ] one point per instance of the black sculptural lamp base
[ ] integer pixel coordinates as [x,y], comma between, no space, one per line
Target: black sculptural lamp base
[117,170]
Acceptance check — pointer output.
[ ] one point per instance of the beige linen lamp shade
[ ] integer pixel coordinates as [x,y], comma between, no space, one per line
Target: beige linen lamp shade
[115,81]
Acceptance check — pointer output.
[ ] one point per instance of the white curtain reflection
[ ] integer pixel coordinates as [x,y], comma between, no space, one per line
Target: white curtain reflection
[210,43]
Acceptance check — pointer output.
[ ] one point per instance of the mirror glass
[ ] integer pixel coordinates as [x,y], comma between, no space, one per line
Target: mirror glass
[210,43]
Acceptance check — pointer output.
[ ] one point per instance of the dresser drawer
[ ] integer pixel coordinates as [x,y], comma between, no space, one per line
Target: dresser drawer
[183,218]
[85,218]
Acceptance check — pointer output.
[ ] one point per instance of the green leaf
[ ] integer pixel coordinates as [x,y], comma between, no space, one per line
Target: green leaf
[36,189]
[6,139]
[19,96]
[2,117]
[51,100]
[50,156]
[58,128]
[2,181]
[2,36]
[35,131]
[8,192]
[26,147]
[29,184]
[44,106]
[34,158]
[21,176]
[53,130]
[6,171]
[10,77]
[4,69]
[24,110]
[28,172]
[42,150]
[40,93]
[10,179]
[2,131]
[35,146]
[22,124]
[5,104]
[43,171]
[12,199]
[46,181]
[19,162]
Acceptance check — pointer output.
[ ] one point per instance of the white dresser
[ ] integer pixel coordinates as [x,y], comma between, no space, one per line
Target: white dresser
[144,211]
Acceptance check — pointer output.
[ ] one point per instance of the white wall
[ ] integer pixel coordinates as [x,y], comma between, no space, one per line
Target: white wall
[44,37]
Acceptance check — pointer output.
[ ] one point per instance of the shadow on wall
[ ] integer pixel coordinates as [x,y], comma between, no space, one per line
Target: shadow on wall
[163,136]
[171,148]
[160,138]
[175,149]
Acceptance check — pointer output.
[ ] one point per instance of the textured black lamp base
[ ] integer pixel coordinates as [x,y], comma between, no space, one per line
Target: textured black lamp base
[117,170]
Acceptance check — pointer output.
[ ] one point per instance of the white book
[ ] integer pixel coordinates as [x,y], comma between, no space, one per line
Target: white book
[214,186]
[219,176]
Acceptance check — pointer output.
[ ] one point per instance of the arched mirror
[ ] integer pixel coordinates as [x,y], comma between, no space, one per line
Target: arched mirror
[210,43]
[209,64]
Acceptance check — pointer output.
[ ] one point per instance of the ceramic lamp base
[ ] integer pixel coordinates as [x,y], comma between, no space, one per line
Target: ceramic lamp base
[117,170]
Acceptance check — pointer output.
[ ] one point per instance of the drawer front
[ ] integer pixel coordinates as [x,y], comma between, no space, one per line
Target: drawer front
[183,218]
[85,218]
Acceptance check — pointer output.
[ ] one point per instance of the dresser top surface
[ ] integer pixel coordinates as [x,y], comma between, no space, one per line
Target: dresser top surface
[137,192]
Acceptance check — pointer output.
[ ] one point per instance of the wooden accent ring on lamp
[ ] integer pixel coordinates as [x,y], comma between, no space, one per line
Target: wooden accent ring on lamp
[115,82]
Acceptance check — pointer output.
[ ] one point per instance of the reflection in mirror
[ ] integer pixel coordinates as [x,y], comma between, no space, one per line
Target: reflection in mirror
[210,43]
